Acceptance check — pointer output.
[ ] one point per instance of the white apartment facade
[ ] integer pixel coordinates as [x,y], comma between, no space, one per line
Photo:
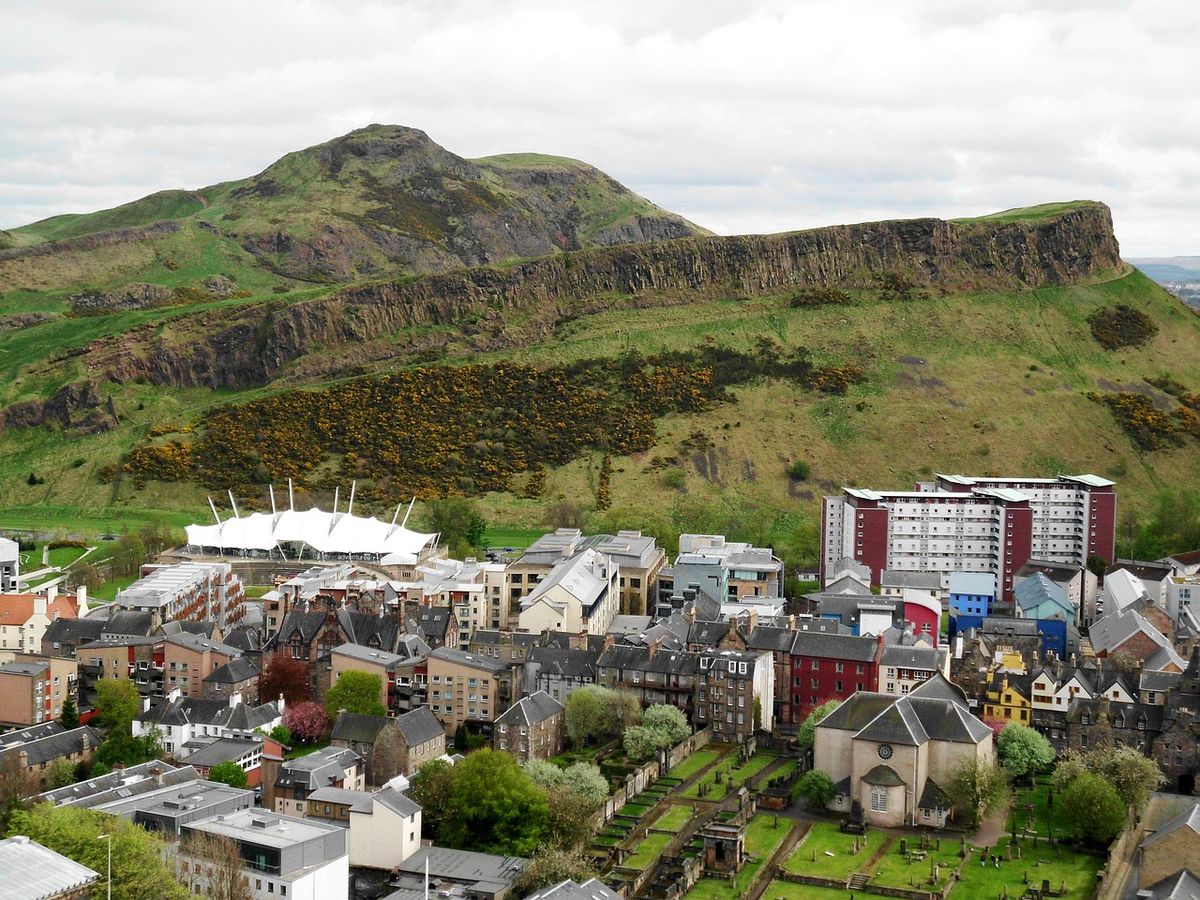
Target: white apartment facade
[961,524]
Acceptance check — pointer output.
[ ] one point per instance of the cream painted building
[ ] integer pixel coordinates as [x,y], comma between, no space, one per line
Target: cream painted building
[894,754]
[580,594]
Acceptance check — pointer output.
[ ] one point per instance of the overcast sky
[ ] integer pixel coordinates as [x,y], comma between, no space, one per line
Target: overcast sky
[743,116]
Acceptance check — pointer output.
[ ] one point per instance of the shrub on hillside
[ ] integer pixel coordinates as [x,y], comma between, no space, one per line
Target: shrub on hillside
[1147,426]
[799,470]
[1120,326]
[818,296]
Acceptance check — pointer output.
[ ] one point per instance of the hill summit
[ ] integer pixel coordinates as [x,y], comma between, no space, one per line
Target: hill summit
[388,199]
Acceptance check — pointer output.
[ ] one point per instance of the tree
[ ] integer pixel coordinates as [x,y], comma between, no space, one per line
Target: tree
[494,807]
[220,875]
[641,742]
[550,866]
[356,692]
[121,748]
[283,676]
[1022,750]
[545,775]
[229,773]
[431,791]
[15,785]
[668,720]
[1133,775]
[60,773]
[806,733]
[117,703]
[69,718]
[281,734]
[977,788]
[458,522]
[585,780]
[571,819]
[817,788]
[307,721]
[595,714]
[1173,525]
[1091,809]
[139,867]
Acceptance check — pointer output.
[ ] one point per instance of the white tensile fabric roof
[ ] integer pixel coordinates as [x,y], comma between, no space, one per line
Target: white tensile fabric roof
[324,532]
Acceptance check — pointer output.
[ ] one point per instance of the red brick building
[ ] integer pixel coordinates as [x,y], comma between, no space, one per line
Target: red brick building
[828,667]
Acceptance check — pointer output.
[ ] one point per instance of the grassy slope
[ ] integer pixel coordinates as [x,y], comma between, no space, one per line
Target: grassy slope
[977,383]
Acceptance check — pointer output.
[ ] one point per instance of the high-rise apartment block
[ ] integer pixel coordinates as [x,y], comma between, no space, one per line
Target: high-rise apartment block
[960,524]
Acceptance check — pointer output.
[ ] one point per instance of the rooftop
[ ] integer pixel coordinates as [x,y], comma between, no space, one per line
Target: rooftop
[29,870]
[266,829]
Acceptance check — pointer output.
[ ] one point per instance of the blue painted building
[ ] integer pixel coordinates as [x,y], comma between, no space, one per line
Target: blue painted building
[1040,598]
[972,593]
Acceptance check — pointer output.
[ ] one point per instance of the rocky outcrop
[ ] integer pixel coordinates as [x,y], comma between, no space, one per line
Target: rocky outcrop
[92,241]
[130,296]
[77,407]
[1074,246]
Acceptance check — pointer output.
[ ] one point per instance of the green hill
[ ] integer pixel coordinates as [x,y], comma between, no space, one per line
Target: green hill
[189,342]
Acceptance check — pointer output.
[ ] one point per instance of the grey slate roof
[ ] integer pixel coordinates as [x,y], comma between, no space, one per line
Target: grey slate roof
[139,779]
[72,631]
[537,707]
[397,802]
[235,671]
[129,621]
[316,770]
[834,646]
[566,663]
[53,746]
[1188,819]
[357,728]
[298,623]
[677,662]
[933,797]
[369,630]
[1183,885]
[909,720]
[463,658]
[419,725]
[30,871]
[937,687]
[707,634]
[358,801]
[894,578]
[766,637]
[199,643]
[245,638]
[484,870]
[909,657]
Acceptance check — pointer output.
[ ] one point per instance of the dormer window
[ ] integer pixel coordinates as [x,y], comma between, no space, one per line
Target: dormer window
[1085,719]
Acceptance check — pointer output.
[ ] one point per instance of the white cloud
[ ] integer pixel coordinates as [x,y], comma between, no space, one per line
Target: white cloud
[754,116]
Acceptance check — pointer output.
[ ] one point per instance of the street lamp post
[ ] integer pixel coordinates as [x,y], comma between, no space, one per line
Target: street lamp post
[108,837]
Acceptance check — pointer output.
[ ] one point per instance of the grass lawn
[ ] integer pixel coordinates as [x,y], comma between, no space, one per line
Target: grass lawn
[1077,870]
[304,749]
[108,590]
[648,849]
[694,763]
[762,837]
[894,870]
[739,775]
[825,836]
[517,538]
[674,818]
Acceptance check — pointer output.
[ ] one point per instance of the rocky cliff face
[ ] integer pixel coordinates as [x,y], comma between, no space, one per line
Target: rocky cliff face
[265,339]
